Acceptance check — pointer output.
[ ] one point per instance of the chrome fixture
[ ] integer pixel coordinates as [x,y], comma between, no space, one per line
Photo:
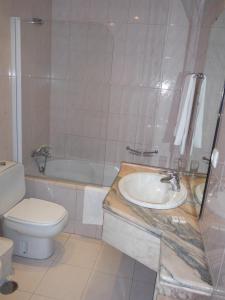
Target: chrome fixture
[36,21]
[207,160]
[141,153]
[173,179]
[41,156]
[43,150]
[199,75]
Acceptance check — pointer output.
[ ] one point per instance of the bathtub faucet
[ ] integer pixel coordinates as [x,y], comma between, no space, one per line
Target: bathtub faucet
[43,150]
[173,179]
[40,156]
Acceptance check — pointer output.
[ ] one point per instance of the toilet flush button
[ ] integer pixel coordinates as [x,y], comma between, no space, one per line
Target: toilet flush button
[215,157]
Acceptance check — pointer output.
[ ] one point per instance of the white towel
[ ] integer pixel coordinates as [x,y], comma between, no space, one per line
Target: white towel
[93,199]
[184,115]
[198,131]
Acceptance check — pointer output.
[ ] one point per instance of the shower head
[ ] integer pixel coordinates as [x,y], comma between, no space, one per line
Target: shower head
[37,21]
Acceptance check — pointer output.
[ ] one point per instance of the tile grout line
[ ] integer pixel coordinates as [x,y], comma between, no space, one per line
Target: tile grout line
[32,292]
[91,273]
[48,268]
[112,275]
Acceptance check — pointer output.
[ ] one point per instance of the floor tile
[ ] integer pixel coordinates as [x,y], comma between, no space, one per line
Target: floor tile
[27,274]
[143,273]
[62,237]
[114,262]
[60,243]
[142,291]
[64,282]
[35,263]
[17,295]
[107,287]
[80,252]
[87,239]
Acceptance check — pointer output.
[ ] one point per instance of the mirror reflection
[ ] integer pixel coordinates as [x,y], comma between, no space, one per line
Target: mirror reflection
[207,99]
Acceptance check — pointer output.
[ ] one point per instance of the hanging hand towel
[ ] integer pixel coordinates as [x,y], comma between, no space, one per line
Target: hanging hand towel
[184,115]
[198,131]
[93,199]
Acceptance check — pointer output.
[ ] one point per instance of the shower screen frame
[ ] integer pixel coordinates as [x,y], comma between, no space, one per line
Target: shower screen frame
[15,73]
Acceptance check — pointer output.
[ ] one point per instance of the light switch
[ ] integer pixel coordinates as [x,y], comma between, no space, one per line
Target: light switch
[215,157]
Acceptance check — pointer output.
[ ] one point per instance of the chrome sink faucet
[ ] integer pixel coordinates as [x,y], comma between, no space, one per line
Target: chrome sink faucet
[173,179]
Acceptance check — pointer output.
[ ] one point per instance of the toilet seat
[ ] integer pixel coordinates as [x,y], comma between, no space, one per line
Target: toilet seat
[35,217]
[36,212]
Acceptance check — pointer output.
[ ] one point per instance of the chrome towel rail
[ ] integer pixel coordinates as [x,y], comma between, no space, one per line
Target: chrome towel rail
[199,75]
[141,153]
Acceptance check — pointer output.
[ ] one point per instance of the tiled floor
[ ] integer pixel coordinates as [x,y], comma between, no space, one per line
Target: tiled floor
[84,269]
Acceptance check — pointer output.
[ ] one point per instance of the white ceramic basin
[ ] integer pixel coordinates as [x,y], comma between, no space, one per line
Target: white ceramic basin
[145,189]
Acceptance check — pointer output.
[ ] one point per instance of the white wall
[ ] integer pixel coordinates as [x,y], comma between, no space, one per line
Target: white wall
[144,42]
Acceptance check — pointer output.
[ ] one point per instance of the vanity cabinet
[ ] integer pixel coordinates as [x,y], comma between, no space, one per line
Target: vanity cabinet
[131,240]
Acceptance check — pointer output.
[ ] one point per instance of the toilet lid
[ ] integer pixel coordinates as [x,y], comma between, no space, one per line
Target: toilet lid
[36,211]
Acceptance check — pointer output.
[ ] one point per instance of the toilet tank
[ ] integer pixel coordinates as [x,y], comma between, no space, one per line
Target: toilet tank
[12,185]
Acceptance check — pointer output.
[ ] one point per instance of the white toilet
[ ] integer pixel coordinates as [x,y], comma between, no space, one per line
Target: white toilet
[30,223]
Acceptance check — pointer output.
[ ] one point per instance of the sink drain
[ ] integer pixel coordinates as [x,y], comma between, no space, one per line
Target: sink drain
[8,287]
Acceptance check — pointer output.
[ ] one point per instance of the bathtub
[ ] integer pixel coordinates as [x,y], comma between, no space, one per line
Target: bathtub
[82,171]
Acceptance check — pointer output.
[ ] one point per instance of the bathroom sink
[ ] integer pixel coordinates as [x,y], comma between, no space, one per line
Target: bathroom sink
[145,189]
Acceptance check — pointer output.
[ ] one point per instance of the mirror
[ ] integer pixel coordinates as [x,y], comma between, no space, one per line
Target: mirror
[209,60]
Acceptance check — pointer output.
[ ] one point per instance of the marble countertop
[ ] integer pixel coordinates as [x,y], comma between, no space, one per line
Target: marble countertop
[183,263]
